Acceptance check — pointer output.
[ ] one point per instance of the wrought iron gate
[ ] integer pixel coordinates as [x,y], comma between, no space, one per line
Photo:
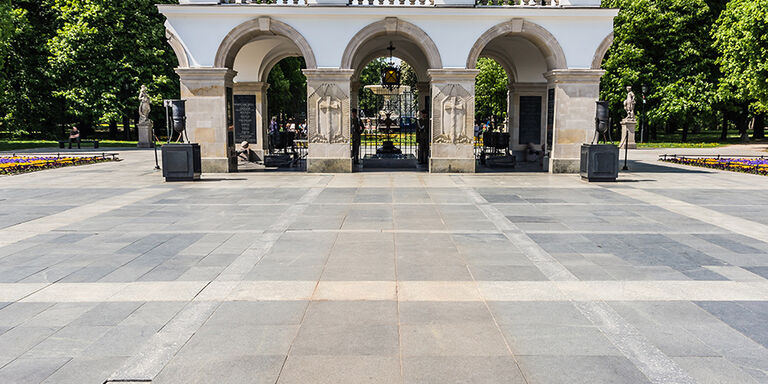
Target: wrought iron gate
[395,123]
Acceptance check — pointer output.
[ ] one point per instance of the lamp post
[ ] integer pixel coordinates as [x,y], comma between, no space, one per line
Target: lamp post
[642,122]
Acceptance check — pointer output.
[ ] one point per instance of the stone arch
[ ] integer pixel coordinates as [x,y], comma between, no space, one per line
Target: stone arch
[421,73]
[271,60]
[536,34]
[508,65]
[247,31]
[393,26]
[178,48]
[597,61]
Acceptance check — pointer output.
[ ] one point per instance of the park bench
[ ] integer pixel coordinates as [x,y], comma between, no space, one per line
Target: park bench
[95,143]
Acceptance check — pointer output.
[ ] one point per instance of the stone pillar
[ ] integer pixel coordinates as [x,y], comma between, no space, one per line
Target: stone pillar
[576,91]
[423,88]
[628,128]
[259,90]
[354,94]
[453,116]
[205,92]
[328,110]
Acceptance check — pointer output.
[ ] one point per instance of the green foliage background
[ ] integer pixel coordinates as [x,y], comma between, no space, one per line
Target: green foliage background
[82,62]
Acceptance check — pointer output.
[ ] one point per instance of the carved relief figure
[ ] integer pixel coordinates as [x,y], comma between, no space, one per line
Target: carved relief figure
[629,104]
[329,106]
[453,110]
[329,117]
[143,104]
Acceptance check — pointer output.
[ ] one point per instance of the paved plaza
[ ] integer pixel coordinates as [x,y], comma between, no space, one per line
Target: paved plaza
[109,274]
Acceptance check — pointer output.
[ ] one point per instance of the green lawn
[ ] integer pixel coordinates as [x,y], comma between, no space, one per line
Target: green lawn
[9,145]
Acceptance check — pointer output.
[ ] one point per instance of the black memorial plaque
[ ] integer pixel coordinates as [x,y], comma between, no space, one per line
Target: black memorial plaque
[245,118]
[530,120]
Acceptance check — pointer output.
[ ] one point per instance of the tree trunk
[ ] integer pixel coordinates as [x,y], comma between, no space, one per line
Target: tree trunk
[743,126]
[758,128]
[685,132]
[724,131]
[654,132]
[127,128]
[113,129]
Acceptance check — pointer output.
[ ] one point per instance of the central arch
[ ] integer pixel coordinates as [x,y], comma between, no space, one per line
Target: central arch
[394,27]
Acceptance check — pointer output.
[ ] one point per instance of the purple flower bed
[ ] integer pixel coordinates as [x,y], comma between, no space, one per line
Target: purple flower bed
[754,165]
[11,165]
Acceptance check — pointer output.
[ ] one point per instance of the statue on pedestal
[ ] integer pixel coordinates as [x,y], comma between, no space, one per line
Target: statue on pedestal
[145,124]
[629,123]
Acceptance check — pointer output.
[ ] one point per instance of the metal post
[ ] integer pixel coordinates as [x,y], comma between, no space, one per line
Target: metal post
[626,152]
[642,122]
[167,104]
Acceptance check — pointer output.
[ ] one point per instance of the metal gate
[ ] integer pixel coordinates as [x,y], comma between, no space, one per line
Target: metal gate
[393,133]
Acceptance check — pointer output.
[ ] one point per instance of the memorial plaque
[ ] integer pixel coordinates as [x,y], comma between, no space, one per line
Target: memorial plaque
[530,120]
[550,116]
[245,118]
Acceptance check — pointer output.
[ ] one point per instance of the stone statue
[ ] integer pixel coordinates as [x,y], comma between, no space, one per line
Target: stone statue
[452,125]
[143,104]
[629,104]
[144,126]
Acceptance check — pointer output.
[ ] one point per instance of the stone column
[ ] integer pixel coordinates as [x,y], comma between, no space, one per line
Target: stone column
[576,91]
[328,110]
[354,94]
[423,88]
[259,90]
[628,133]
[453,116]
[205,90]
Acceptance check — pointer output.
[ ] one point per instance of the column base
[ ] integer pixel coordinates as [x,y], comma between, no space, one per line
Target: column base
[216,165]
[564,165]
[329,165]
[452,165]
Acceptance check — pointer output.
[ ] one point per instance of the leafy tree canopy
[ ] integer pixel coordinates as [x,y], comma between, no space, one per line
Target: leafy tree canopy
[490,91]
[741,39]
[666,45]
[287,93]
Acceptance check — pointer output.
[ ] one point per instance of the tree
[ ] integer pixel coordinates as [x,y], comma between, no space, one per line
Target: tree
[287,93]
[741,39]
[27,104]
[101,54]
[666,45]
[6,28]
[490,91]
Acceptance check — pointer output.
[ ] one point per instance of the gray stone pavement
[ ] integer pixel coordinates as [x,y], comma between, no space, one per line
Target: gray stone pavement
[107,273]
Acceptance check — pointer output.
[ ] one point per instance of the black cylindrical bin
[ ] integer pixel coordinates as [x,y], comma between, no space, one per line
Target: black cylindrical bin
[601,117]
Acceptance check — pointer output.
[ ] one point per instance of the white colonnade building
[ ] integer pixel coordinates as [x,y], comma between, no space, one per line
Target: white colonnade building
[551,50]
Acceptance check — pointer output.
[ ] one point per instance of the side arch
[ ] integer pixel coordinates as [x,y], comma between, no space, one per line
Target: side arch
[247,31]
[605,45]
[536,34]
[393,26]
[178,48]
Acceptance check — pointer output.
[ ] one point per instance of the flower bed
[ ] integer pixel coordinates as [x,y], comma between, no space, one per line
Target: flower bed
[756,165]
[12,165]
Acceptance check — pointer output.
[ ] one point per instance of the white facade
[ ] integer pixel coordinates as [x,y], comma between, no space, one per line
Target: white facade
[555,47]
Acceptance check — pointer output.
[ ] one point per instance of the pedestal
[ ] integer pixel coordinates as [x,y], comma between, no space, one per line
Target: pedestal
[145,134]
[628,128]
[181,162]
[599,162]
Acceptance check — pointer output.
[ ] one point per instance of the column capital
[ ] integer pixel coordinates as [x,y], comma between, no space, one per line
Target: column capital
[202,74]
[574,75]
[251,86]
[328,74]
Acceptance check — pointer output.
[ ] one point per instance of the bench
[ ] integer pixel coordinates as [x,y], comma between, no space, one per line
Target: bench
[95,143]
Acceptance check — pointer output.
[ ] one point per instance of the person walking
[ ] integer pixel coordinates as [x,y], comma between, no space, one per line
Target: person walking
[74,135]
[356,130]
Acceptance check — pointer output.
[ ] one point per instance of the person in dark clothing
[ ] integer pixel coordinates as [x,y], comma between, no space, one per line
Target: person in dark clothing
[74,136]
[422,137]
[356,130]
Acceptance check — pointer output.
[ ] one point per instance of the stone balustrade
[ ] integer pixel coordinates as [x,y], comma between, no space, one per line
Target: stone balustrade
[408,3]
